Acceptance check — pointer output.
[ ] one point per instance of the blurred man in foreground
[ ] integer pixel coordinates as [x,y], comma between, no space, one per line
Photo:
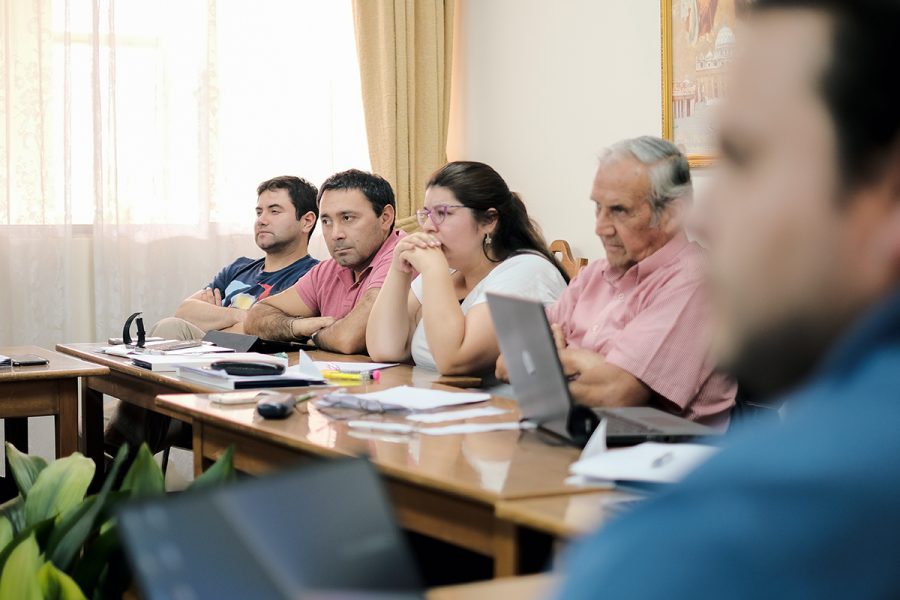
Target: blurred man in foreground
[804,231]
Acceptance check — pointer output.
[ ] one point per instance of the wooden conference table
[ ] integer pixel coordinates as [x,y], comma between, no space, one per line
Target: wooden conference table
[50,389]
[445,487]
[528,587]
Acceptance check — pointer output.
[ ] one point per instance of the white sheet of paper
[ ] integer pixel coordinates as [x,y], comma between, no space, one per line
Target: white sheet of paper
[650,462]
[123,350]
[444,430]
[476,428]
[403,398]
[597,442]
[382,426]
[587,482]
[120,350]
[457,415]
[306,368]
[353,367]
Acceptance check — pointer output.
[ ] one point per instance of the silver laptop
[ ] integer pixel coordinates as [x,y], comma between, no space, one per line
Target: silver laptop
[542,389]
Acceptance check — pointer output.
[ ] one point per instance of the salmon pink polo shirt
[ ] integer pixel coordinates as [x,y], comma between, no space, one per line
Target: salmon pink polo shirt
[652,320]
[329,290]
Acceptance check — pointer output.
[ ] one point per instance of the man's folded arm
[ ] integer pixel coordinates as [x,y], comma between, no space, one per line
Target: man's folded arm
[283,317]
[348,335]
[596,382]
[204,309]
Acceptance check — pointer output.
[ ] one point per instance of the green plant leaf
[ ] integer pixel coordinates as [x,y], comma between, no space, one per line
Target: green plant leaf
[25,468]
[56,585]
[19,579]
[40,531]
[74,528]
[222,471]
[58,488]
[89,568]
[6,532]
[144,478]
[14,510]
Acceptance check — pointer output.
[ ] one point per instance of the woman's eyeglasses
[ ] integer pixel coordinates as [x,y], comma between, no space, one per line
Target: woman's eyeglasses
[438,213]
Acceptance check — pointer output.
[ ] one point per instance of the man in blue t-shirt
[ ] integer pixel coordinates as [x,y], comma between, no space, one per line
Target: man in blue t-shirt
[286,214]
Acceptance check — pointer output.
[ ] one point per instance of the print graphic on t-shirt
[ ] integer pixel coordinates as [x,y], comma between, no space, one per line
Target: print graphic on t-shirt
[238,299]
[244,282]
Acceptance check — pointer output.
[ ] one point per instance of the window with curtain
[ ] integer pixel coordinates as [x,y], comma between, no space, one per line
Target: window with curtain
[132,138]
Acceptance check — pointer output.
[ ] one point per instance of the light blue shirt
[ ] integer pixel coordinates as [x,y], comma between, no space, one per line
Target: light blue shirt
[806,509]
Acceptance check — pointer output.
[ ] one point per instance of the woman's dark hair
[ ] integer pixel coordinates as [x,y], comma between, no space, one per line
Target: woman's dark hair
[480,188]
[303,194]
[374,187]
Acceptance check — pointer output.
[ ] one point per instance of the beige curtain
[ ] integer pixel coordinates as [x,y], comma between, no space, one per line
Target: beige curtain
[129,154]
[405,52]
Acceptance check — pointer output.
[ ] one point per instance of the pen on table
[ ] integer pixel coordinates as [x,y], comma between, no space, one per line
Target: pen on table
[304,397]
[662,460]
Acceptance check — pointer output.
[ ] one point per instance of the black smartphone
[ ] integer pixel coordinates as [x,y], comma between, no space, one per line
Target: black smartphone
[28,360]
[247,369]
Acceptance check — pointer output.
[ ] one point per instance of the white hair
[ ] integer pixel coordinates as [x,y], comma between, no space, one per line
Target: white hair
[668,168]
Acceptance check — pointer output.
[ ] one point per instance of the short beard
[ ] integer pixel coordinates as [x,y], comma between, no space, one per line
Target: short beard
[775,361]
[275,247]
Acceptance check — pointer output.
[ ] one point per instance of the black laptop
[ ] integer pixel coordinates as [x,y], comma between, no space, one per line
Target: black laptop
[323,531]
[542,390]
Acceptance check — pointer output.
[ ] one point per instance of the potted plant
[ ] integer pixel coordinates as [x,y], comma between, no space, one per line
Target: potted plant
[56,542]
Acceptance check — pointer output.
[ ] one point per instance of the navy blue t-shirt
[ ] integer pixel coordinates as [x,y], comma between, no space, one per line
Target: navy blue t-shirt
[243,282]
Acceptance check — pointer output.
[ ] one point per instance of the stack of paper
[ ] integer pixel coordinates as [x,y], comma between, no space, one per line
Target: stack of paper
[147,350]
[168,362]
[401,398]
[302,374]
[649,462]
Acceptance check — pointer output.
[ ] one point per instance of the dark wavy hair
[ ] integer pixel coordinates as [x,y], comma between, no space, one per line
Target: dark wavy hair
[303,194]
[374,187]
[480,188]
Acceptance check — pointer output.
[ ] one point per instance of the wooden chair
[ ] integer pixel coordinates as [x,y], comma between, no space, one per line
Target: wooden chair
[409,224]
[568,261]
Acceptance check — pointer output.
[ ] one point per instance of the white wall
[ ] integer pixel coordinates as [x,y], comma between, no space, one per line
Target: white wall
[541,87]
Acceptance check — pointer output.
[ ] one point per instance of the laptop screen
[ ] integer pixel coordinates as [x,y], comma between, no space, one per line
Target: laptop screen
[325,527]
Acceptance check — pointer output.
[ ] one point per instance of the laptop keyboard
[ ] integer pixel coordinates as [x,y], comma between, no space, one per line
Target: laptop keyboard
[617,424]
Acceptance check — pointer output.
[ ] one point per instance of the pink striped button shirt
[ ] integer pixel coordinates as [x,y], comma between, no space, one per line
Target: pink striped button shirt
[652,321]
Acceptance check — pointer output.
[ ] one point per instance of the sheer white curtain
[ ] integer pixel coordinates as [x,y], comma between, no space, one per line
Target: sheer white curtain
[133,135]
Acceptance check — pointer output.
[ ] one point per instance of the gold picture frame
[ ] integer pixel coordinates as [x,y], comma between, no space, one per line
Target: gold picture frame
[703,35]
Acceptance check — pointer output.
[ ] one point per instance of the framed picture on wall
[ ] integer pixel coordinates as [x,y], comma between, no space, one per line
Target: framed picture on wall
[698,43]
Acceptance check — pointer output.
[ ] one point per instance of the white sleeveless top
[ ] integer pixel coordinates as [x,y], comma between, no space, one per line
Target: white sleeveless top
[527,275]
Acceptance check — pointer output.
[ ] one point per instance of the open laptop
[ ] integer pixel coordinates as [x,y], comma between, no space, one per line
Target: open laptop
[542,390]
[323,531]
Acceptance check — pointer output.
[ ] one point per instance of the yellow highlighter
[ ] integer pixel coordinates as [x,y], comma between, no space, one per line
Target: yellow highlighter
[341,376]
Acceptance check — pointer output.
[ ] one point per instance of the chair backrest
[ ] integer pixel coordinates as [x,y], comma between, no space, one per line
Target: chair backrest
[409,224]
[568,261]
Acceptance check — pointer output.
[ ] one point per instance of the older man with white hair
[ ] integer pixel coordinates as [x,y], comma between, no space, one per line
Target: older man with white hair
[632,329]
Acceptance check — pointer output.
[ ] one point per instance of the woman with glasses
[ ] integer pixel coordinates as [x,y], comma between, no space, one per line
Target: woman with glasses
[476,237]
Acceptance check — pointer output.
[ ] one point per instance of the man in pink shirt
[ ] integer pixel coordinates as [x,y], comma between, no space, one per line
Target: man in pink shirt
[331,303]
[632,329]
